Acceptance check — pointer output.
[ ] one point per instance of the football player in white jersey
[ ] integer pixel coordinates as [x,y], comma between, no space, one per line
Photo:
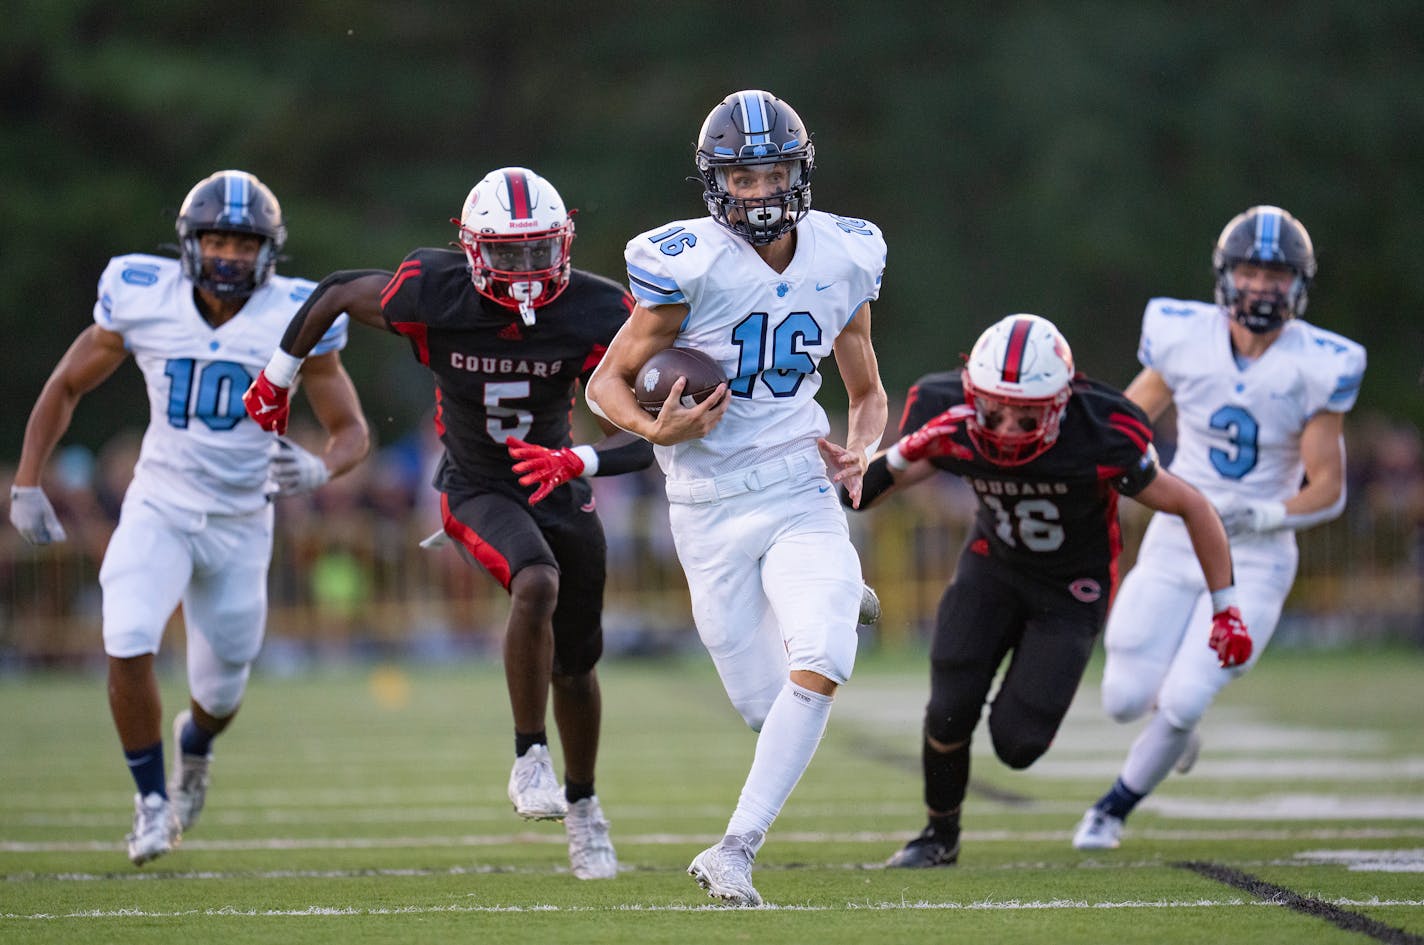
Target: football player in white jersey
[196,523]
[768,287]
[1261,398]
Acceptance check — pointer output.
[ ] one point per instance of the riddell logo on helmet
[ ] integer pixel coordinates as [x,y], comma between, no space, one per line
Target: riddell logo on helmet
[524,224]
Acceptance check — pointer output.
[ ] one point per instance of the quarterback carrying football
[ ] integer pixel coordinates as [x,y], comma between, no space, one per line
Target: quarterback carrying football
[768,287]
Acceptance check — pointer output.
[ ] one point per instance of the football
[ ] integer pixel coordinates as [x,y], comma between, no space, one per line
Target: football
[656,377]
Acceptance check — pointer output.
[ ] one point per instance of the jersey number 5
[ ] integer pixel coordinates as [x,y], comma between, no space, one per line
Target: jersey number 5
[505,421]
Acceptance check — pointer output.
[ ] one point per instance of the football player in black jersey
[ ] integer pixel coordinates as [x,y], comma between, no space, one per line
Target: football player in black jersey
[509,329]
[1047,452]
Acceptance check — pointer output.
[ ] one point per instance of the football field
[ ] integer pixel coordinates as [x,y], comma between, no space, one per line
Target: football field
[368,805]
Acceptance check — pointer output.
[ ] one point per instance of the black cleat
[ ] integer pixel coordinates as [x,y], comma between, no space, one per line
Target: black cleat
[926,851]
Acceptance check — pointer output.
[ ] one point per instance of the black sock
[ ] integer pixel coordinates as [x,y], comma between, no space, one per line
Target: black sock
[1119,800]
[523,742]
[146,766]
[946,776]
[575,791]
[945,827]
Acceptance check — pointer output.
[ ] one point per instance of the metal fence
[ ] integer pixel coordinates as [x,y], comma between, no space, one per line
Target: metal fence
[351,578]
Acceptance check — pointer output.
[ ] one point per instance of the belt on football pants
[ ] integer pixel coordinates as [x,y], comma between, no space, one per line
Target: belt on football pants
[752,479]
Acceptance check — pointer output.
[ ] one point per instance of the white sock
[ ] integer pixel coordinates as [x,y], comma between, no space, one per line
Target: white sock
[1152,755]
[787,742]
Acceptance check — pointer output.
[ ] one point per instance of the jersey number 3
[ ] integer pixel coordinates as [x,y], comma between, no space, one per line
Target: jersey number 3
[1242,432]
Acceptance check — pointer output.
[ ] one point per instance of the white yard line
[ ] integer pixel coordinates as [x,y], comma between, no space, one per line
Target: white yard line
[980,906]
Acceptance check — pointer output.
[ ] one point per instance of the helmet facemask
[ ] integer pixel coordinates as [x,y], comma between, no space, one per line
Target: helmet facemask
[1261,312]
[517,235]
[758,220]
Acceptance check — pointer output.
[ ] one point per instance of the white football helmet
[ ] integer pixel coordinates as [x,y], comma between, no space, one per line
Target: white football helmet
[1022,362]
[516,233]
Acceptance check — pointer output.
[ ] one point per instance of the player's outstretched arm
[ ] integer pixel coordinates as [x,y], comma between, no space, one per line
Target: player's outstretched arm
[356,292]
[868,406]
[617,453]
[333,399]
[1321,499]
[1167,493]
[90,360]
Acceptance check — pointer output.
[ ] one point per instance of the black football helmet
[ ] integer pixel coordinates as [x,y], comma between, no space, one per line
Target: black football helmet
[1263,236]
[749,128]
[230,202]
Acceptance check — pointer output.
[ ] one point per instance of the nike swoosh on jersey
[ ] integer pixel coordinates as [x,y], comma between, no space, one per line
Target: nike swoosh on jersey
[822,288]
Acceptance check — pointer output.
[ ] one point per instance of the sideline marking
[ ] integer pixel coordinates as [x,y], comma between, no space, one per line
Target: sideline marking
[1317,908]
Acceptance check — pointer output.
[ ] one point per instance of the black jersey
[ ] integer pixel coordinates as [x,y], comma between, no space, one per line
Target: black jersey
[496,377]
[1056,515]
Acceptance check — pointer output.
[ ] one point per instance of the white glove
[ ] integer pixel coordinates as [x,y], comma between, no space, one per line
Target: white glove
[294,470]
[1251,517]
[33,516]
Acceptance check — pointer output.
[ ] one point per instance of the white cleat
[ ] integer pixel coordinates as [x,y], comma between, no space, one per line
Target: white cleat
[725,871]
[591,854]
[869,606]
[1189,754]
[188,787]
[534,790]
[155,829]
[1097,830]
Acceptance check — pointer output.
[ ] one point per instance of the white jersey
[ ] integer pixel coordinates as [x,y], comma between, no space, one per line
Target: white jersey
[769,330]
[200,452]
[1239,428]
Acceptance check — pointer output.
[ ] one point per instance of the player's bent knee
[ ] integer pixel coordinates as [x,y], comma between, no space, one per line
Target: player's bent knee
[949,723]
[220,691]
[1019,739]
[1126,707]
[535,588]
[1183,707]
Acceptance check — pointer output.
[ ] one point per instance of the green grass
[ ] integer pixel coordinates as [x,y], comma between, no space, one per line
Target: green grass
[360,805]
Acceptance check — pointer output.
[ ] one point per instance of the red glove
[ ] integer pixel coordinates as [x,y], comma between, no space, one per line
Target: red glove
[932,439]
[1229,638]
[267,404]
[549,468]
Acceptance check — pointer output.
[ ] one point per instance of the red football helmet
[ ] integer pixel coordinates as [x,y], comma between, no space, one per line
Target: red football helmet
[1022,366]
[516,233]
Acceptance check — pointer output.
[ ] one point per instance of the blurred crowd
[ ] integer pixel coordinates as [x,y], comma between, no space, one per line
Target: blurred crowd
[348,573]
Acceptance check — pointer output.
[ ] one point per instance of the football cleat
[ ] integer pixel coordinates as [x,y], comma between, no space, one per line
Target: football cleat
[725,871]
[188,788]
[1098,830]
[925,851]
[155,829]
[533,789]
[591,854]
[869,606]
[1189,754]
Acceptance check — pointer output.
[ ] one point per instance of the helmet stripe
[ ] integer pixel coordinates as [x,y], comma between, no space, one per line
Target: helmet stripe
[1268,236]
[519,203]
[758,123]
[235,199]
[1014,351]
